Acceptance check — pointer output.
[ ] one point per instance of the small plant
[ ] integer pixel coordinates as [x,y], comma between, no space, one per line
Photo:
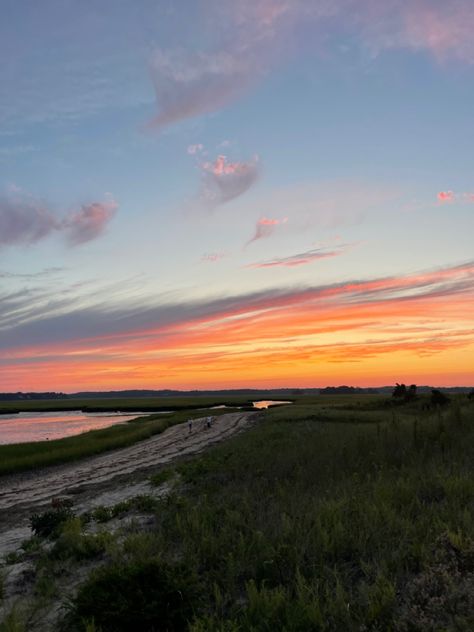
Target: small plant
[72,542]
[161,477]
[13,557]
[13,622]
[48,523]
[102,514]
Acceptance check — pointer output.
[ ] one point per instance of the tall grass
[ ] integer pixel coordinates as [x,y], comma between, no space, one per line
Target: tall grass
[303,524]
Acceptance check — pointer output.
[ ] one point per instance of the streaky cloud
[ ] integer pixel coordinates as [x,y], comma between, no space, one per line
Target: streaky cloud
[61,319]
[302,258]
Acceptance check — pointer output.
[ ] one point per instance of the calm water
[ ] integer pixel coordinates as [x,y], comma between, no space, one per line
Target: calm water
[262,403]
[26,427]
[265,403]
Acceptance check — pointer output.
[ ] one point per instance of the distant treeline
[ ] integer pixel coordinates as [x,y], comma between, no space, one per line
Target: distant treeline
[285,392]
[17,396]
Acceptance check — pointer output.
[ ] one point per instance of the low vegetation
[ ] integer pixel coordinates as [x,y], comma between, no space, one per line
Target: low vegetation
[348,515]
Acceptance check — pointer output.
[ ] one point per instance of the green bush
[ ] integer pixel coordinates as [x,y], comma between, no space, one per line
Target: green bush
[72,542]
[144,596]
[48,523]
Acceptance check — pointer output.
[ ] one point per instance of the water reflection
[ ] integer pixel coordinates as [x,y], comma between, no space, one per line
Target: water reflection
[266,403]
[34,426]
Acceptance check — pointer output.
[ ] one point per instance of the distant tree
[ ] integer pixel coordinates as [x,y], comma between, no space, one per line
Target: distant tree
[471,395]
[400,390]
[411,392]
[438,398]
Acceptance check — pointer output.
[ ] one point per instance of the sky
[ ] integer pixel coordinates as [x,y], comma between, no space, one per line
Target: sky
[212,194]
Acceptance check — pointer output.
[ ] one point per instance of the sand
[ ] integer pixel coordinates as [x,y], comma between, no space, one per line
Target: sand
[105,479]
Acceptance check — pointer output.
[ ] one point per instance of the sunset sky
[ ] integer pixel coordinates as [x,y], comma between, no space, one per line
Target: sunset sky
[236,193]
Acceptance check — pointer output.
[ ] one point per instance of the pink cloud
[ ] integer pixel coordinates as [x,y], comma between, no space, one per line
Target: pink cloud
[255,34]
[25,220]
[224,181]
[190,83]
[89,222]
[442,28]
[450,197]
[446,196]
[302,258]
[265,228]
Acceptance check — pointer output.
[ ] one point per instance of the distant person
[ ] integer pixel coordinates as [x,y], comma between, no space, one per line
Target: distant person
[208,422]
[190,426]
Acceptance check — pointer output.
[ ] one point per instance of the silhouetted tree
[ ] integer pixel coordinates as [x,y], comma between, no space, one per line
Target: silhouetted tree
[438,398]
[411,392]
[400,390]
[471,394]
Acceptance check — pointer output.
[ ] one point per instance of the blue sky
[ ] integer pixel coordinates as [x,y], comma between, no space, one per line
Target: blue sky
[161,152]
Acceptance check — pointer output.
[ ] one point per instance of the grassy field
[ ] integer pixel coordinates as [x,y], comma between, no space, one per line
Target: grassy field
[145,404]
[348,515]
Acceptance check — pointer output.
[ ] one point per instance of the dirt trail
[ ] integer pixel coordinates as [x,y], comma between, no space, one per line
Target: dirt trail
[110,475]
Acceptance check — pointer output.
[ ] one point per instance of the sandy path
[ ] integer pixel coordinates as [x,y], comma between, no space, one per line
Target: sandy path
[104,475]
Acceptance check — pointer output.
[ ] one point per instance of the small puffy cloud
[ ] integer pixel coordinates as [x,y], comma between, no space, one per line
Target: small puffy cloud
[223,181]
[195,149]
[302,258]
[265,228]
[25,220]
[445,196]
[89,222]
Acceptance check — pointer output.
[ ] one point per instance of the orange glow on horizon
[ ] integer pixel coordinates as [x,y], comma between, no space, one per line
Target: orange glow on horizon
[416,328]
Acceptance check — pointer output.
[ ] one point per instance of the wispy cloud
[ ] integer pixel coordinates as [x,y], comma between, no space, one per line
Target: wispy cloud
[195,149]
[223,181]
[265,227]
[212,257]
[190,83]
[47,272]
[25,221]
[302,258]
[444,29]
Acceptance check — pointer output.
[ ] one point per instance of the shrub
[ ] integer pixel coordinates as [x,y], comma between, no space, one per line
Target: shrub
[149,595]
[49,522]
[72,542]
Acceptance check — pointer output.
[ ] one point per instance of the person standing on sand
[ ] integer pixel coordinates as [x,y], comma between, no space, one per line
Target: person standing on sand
[190,426]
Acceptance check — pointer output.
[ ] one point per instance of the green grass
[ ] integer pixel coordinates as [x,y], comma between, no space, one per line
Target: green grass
[303,524]
[337,515]
[144,404]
